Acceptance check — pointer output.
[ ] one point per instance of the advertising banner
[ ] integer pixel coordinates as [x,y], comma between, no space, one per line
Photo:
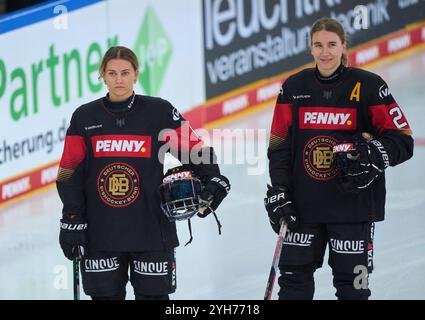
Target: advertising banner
[49,61]
[45,73]
[248,40]
[166,36]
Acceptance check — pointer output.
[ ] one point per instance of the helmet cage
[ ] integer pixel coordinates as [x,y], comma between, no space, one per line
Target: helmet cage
[180,198]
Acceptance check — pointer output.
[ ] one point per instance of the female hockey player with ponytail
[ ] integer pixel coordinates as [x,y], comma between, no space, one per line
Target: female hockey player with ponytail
[109,178]
[334,132]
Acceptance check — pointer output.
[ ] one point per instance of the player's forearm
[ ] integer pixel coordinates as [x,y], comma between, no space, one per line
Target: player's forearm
[280,168]
[73,199]
[204,162]
[398,145]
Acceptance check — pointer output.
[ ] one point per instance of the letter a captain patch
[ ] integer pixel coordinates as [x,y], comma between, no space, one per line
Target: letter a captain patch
[355,94]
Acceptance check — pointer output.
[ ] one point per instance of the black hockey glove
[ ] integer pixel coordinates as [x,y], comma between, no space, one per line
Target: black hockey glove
[72,236]
[360,161]
[280,207]
[213,193]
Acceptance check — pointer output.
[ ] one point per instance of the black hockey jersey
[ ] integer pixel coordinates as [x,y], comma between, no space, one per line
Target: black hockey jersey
[112,166]
[310,117]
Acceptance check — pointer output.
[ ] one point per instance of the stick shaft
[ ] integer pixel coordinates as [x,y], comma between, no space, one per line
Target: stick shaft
[275,263]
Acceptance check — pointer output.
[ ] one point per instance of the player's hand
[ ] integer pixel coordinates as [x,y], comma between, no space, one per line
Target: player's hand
[72,236]
[215,190]
[280,207]
[360,161]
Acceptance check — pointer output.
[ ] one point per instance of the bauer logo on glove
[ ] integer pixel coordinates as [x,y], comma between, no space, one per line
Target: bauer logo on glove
[360,162]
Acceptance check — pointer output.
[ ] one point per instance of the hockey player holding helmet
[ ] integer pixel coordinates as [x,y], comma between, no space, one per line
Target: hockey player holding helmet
[108,180]
[335,130]
[182,195]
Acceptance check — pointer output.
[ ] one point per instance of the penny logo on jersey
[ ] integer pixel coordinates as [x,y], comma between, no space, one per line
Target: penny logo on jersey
[111,145]
[118,185]
[318,158]
[323,118]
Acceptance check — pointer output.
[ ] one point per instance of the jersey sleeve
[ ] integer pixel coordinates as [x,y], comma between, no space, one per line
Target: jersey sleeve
[279,150]
[70,179]
[390,123]
[178,133]
[187,146]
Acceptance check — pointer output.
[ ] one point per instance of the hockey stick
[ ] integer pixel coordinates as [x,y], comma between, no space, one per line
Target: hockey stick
[275,263]
[76,273]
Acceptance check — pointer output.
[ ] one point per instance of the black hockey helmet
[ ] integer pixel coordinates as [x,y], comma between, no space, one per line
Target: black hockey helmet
[179,193]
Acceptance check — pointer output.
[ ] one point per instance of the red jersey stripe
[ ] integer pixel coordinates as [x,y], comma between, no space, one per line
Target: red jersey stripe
[73,153]
[388,117]
[282,120]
